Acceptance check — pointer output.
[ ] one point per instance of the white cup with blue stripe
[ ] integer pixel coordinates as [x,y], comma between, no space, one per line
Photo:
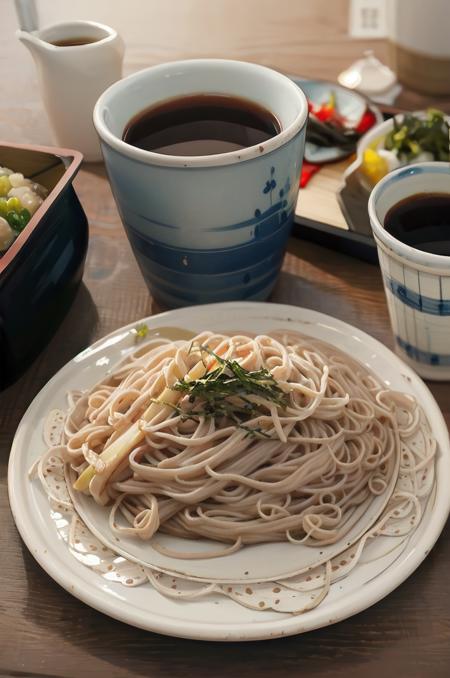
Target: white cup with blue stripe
[206,228]
[416,282]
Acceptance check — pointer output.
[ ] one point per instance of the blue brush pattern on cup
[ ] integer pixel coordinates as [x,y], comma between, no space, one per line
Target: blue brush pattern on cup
[416,283]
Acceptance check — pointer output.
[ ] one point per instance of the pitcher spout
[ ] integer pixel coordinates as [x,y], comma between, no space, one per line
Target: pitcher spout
[38,47]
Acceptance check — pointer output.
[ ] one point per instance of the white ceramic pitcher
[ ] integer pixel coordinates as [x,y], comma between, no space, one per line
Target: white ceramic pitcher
[72,77]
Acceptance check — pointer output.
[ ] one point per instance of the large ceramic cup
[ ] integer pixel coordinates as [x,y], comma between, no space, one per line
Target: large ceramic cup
[206,228]
[417,283]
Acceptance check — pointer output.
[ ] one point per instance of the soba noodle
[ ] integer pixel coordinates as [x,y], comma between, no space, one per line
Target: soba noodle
[294,471]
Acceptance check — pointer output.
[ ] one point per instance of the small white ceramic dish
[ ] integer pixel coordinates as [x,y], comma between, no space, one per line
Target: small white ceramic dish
[216,618]
[350,104]
[354,192]
[373,139]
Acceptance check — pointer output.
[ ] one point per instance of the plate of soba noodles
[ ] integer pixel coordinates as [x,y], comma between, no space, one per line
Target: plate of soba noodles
[234,471]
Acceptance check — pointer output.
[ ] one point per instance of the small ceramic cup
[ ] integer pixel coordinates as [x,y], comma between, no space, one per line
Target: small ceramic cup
[417,283]
[206,228]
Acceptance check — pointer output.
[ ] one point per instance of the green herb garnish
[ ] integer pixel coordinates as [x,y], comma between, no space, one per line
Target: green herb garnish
[140,332]
[412,135]
[225,390]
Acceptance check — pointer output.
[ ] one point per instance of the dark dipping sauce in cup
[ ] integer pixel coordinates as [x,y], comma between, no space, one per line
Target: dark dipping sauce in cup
[422,221]
[201,124]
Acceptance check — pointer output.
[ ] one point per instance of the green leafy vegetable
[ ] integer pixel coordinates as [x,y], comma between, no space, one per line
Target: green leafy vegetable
[412,135]
[225,391]
[14,221]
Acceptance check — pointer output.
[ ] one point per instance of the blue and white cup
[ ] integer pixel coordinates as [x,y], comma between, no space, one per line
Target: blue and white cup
[206,228]
[417,283]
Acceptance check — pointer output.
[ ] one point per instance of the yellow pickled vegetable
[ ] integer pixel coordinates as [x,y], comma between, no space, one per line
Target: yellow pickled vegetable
[13,204]
[5,185]
[374,166]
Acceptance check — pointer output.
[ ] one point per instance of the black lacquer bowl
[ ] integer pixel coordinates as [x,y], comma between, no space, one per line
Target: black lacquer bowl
[41,271]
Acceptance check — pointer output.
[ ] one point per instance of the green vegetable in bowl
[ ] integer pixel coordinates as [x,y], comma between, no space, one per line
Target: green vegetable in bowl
[412,136]
[19,200]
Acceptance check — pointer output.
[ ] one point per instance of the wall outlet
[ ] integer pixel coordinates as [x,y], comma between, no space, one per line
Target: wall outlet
[368,18]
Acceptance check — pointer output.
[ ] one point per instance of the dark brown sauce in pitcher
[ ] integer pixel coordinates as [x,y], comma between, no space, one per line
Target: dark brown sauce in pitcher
[201,124]
[74,42]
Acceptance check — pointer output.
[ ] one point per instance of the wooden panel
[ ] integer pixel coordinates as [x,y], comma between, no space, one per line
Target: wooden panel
[318,200]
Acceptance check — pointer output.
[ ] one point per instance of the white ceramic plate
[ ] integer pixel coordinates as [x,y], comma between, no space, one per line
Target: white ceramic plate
[254,563]
[216,618]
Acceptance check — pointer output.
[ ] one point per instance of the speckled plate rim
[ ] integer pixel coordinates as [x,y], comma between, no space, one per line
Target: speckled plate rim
[91,589]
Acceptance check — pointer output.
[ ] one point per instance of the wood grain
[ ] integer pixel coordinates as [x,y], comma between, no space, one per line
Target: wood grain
[45,632]
[318,200]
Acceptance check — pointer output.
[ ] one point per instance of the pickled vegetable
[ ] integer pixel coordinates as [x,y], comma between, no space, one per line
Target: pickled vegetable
[19,199]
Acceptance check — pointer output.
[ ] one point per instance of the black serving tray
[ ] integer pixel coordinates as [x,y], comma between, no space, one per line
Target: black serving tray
[357,241]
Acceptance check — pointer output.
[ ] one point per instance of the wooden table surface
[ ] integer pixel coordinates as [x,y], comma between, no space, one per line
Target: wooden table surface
[43,630]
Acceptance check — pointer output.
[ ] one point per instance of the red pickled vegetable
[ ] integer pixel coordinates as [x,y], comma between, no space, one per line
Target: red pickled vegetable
[367,121]
[308,171]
